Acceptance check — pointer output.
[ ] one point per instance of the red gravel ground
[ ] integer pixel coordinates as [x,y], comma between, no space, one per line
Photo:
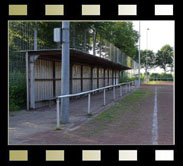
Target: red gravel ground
[129,121]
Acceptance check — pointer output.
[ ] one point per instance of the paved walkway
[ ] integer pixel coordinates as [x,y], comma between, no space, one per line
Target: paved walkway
[140,122]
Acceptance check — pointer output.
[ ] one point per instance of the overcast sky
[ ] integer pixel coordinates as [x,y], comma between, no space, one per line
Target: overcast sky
[159,34]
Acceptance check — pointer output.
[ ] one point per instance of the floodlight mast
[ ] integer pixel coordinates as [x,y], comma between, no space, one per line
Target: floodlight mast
[32,60]
[146,66]
[139,81]
[65,75]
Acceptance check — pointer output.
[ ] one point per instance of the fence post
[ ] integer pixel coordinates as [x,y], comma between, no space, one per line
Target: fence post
[89,102]
[133,84]
[129,87]
[104,97]
[120,90]
[114,95]
[58,114]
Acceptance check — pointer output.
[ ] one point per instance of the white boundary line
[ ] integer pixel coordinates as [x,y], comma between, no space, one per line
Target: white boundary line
[155,120]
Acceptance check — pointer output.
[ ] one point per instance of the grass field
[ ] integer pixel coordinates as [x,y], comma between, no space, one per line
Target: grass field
[113,114]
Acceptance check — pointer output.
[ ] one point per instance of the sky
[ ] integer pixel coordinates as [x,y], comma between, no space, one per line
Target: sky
[159,34]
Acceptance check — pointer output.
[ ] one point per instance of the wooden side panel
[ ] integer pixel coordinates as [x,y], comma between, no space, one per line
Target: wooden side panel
[43,69]
[101,77]
[86,78]
[94,72]
[76,78]
[58,87]
[58,70]
[117,77]
[43,90]
[95,78]
[110,77]
[43,84]
[106,78]
[94,83]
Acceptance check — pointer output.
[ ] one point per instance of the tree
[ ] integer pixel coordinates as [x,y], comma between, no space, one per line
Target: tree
[147,59]
[164,57]
[122,35]
[86,36]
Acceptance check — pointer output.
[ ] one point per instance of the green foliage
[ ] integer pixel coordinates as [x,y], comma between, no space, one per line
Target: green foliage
[142,76]
[164,57]
[127,79]
[17,92]
[161,76]
[82,35]
[147,59]
[90,114]
[120,34]
[59,128]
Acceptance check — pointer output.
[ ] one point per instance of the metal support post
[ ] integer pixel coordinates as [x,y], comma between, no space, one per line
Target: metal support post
[65,72]
[114,93]
[32,95]
[58,114]
[104,97]
[120,90]
[139,81]
[89,102]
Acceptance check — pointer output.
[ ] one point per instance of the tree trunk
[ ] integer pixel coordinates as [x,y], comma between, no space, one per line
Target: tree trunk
[146,73]
[165,69]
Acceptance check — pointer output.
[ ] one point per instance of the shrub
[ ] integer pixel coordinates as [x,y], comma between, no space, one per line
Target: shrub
[126,79]
[17,94]
[162,76]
